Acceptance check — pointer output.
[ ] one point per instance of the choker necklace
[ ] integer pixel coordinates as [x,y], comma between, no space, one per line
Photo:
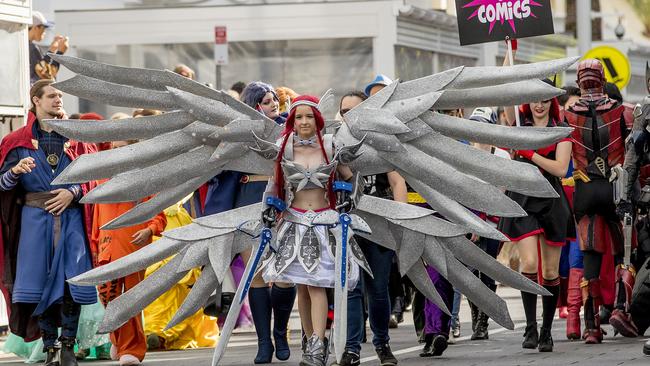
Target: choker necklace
[304,142]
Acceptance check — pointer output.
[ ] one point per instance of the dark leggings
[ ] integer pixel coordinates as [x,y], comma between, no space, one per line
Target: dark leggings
[68,312]
[592,261]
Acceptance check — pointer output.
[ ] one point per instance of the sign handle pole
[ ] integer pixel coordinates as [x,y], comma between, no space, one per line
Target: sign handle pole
[511,59]
[218,77]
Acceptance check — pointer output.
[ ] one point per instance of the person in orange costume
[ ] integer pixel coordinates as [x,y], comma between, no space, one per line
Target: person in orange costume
[129,342]
[199,330]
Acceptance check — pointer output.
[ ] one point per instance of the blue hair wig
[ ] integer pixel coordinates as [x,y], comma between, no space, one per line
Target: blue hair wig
[254,93]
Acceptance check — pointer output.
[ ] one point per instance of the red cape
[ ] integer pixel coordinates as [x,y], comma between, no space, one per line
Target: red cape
[20,320]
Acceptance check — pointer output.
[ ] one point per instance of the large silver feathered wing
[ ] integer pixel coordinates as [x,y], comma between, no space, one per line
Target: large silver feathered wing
[206,131]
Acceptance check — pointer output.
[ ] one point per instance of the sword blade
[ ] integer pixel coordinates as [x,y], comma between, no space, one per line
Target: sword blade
[240,295]
[341,287]
[627,236]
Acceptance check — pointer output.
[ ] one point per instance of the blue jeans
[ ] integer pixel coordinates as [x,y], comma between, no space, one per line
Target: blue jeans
[380,260]
[455,310]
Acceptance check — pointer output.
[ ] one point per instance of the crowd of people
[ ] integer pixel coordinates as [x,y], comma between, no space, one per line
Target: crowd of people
[574,245]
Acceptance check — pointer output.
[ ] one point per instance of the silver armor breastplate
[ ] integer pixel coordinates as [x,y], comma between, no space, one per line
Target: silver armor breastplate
[299,177]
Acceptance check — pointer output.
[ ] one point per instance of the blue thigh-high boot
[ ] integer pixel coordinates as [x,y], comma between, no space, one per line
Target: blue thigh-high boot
[282,300]
[260,303]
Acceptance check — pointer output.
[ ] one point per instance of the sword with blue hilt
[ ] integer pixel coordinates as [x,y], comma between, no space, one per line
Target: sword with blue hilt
[276,205]
[343,189]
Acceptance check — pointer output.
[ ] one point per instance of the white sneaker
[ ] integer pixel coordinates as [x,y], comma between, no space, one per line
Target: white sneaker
[129,360]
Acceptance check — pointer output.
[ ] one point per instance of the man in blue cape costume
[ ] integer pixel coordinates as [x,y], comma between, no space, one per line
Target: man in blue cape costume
[43,238]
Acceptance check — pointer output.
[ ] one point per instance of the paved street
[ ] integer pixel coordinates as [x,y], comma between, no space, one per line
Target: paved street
[503,348]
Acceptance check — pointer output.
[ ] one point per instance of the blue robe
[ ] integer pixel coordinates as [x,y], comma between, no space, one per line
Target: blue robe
[225,191]
[41,269]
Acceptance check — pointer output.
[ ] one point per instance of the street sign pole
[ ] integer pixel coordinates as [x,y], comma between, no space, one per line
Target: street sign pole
[220,52]
[583,25]
[511,59]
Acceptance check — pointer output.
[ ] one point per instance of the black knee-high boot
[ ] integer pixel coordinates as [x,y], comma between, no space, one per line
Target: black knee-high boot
[49,333]
[282,300]
[531,336]
[260,303]
[70,312]
[549,304]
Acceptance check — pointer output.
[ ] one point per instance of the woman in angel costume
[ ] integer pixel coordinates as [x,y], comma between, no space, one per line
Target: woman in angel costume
[306,167]
[207,131]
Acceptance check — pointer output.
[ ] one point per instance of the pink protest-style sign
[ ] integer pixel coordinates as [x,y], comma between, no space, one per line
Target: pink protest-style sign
[481,21]
[493,11]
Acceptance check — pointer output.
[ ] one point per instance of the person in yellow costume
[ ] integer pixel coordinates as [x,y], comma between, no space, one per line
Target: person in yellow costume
[196,331]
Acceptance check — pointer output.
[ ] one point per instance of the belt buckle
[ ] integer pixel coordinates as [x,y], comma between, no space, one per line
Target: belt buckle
[245,178]
[580,175]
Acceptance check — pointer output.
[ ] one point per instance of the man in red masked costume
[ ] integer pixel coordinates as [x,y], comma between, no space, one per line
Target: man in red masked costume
[44,239]
[600,127]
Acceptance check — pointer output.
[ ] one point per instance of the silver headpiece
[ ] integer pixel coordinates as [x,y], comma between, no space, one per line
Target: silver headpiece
[324,99]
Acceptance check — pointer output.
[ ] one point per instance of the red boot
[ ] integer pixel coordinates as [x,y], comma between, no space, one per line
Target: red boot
[592,300]
[574,302]
[621,319]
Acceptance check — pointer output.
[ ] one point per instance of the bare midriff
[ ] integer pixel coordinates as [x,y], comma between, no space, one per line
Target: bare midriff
[310,199]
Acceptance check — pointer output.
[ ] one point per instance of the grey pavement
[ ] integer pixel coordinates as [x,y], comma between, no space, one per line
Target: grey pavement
[503,347]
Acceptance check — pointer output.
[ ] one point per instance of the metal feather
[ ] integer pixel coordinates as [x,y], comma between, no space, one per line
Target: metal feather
[471,286]
[208,110]
[502,136]
[458,186]
[471,255]
[144,211]
[420,278]
[105,164]
[220,256]
[136,261]
[195,300]
[116,94]
[136,184]
[505,94]
[472,77]
[434,254]
[512,175]
[119,130]
[196,255]
[453,211]
[131,303]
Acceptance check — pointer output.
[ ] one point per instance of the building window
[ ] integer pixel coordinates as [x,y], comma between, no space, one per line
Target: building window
[447,61]
[412,63]
[12,90]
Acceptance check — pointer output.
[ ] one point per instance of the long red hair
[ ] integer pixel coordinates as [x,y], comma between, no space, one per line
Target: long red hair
[553,113]
[286,133]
